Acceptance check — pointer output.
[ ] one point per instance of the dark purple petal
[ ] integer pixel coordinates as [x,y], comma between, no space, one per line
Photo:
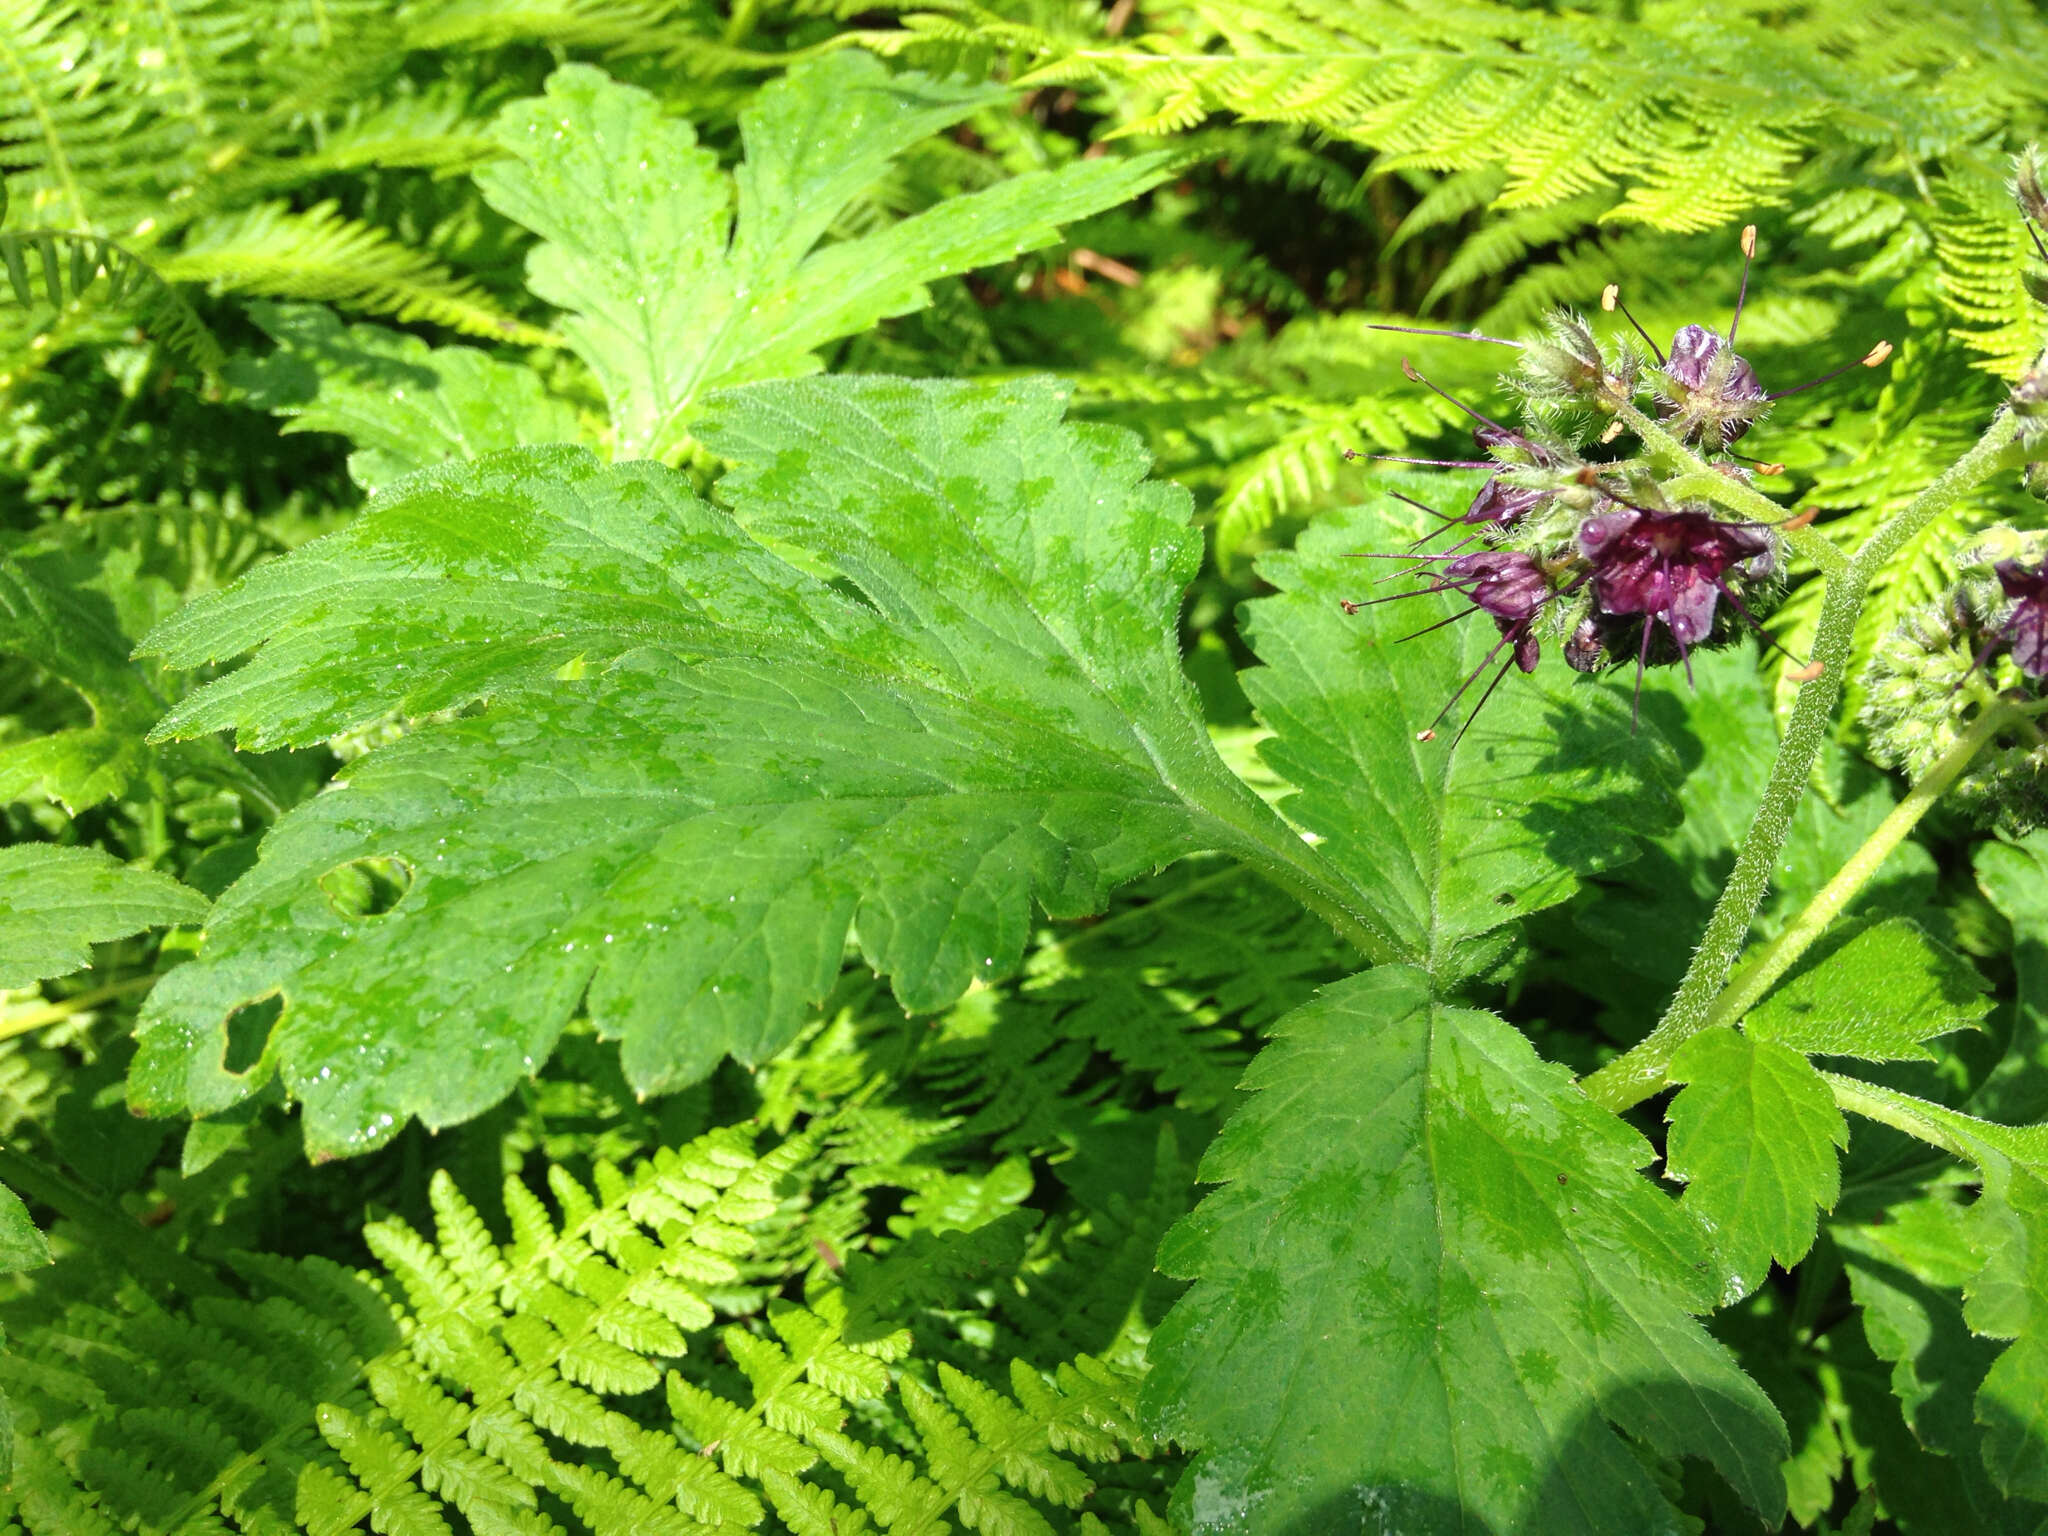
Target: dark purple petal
[2026,627]
[1693,351]
[1506,583]
[1667,566]
[1527,652]
[1504,505]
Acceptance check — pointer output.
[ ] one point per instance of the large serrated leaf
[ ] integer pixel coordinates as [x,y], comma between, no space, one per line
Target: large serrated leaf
[670,291]
[1451,838]
[700,764]
[1431,1279]
[1755,1135]
[56,903]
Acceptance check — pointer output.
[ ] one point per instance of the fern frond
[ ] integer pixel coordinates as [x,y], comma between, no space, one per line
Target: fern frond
[275,251]
[492,1372]
[57,270]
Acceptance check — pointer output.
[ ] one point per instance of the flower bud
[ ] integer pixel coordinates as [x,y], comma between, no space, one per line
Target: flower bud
[1947,660]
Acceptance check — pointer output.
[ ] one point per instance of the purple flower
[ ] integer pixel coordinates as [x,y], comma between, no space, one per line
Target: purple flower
[1670,567]
[1506,505]
[1719,394]
[2026,627]
[1506,584]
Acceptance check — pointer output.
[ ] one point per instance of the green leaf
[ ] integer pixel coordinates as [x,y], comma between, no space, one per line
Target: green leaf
[2014,876]
[57,902]
[700,765]
[21,1245]
[1754,1137]
[1906,1271]
[669,293]
[1431,1273]
[72,633]
[2008,1298]
[404,405]
[1449,840]
[1878,995]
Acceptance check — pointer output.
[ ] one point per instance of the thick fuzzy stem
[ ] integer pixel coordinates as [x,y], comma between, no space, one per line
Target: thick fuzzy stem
[1640,1071]
[1784,951]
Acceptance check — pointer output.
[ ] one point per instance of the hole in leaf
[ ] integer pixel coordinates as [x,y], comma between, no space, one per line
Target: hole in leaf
[366,887]
[248,1031]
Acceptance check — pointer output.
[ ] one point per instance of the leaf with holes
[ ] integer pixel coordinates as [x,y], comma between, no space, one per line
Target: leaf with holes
[698,765]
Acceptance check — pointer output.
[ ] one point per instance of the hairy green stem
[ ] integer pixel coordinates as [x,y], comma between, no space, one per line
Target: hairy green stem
[1640,1071]
[1897,1110]
[1959,477]
[1754,979]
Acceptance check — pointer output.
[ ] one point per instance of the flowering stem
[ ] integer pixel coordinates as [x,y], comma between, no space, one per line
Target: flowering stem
[1754,979]
[1640,1071]
[1701,479]
[1967,471]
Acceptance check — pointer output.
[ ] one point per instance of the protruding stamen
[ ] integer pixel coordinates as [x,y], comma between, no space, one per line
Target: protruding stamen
[1870,359]
[1408,368]
[1391,458]
[1742,293]
[1610,300]
[1424,330]
[1505,667]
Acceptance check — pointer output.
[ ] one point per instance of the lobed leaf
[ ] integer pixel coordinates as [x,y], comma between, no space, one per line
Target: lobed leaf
[404,405]
[676,280]
[55,903]
[1754,1137]
[700,765]
[1431,1273]
[1449,840]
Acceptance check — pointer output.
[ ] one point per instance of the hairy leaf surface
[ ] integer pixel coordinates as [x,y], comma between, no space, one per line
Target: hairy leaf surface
[1449,839]
[1431,1274]
[670,290]
[1879,996]
[55,903]
[700,765]
[1755,1135]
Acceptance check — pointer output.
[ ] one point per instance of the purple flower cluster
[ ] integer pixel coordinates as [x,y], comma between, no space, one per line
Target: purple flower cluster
[1591,546]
